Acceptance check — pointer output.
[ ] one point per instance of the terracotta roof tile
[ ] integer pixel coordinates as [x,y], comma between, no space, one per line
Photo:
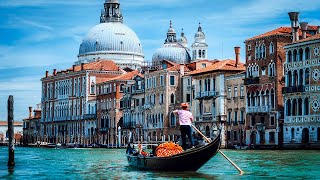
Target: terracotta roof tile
[224,65]
[314,37]
[281,31]
[126,76]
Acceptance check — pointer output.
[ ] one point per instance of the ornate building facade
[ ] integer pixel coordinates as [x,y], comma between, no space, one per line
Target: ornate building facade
[302,92]
[69,101]
[31,127]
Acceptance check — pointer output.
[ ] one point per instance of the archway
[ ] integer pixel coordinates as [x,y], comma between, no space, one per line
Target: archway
[253,138]
[305,136]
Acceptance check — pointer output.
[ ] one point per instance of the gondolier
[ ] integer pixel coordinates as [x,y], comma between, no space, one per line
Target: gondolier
[185,120]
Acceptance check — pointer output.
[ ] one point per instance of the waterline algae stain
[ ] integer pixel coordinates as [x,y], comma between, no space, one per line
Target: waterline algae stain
[111,164]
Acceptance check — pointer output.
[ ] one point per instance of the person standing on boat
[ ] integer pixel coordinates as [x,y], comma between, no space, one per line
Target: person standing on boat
[185,120]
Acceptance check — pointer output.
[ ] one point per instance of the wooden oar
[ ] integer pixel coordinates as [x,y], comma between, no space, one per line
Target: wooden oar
[209,141]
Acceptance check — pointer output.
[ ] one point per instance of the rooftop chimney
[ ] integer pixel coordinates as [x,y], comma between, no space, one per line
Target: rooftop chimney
[30,112]
[304,28]
[54,72]
[73,67]
[47,74]
[318,30]
[82,65]
[294,18]
[237,52]
[182,69]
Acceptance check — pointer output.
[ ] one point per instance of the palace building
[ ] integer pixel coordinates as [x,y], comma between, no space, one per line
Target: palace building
[302,88]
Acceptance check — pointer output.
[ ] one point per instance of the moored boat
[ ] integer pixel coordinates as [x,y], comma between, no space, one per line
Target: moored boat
[190,160]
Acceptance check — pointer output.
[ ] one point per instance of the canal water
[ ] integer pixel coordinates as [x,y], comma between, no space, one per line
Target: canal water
[42,163]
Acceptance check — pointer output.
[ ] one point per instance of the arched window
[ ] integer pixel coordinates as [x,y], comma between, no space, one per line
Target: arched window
[258,98]
[248,99]
[200,53]
[295,74]
[288,107]
[299,107]
[289,56]
[261,51]
[272,99]
[307,53]
[295,55]
[257,52]
[306,106]
[294,107]
[289,79]
[301,77]
[300,54]
[172,120]
[121,87]
[172,98]
[307,76]
[203,53]
[271,48]
[292,133]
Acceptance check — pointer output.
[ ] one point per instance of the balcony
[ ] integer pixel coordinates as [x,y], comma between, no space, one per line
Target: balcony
[302,119]
[147,106]
[90,116]
[253,80]
[206,94]
[292,89]
[137,91]
[258,109]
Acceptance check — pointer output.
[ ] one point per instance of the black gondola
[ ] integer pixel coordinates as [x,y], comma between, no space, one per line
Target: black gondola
[190,160]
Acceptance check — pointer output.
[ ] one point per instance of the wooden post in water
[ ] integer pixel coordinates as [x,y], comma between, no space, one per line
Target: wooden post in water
[10,132]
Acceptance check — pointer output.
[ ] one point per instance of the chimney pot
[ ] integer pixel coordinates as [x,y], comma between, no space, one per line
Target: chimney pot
[294,18]
[82,66]
[54,72]
[73,67]
[47,74]
[30,112]
[304,28]
[237,52]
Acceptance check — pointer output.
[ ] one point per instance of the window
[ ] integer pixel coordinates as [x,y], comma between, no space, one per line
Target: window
[229,93]
[154,82]
[263,71]
[189,82]
[271,137]
[161,81]
[262,120]
[253,121]
[172,99]
[271,48]
[249,47]
[235,91]
[203,65]
[229,117]
[272,121]
[172,120]
[92,91]
[172,83]
[139,87]
[235,117]
[188,98]
[161,99]
[121,87]
[241,117]
[241,91]
[235,135]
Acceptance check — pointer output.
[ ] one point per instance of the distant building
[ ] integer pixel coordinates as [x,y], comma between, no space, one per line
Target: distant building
[302,89]
[69,101]
[31,126]
[210,96]
[110,108]
[18,129]
[236,110]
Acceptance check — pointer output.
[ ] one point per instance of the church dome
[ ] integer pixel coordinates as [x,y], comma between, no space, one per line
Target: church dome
[112,40]
[111,37]
[173,52]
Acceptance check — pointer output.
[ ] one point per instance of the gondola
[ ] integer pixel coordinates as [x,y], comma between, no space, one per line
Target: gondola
[190,160]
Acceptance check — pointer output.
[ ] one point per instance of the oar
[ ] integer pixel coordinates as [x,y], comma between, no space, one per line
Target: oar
[209,141]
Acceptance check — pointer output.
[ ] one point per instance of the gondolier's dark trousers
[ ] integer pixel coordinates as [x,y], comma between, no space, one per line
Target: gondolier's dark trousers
[185,130]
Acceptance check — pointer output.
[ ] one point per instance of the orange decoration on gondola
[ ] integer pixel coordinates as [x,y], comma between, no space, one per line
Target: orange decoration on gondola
[168,149]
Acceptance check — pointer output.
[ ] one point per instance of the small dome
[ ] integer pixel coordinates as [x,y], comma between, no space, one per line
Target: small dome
[173,52]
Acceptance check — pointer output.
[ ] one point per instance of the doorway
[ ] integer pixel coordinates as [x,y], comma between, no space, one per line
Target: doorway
[305,136]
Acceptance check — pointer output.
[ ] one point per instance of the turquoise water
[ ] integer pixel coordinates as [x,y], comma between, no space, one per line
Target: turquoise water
[41,163]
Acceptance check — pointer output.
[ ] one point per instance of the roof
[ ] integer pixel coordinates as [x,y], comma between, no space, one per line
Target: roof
[127,76]
[224,65]
[281,31]
[314,37]
[5,123]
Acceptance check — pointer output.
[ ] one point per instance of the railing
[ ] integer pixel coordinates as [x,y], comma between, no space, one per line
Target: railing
[302,119]
[258,109]
[205,94]
[292,89]
[253,80]
[296,64]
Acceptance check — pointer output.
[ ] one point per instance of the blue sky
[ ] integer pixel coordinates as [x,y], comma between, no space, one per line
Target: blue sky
[40,35]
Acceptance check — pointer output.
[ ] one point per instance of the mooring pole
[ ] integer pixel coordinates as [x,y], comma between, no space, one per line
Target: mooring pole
[10,131]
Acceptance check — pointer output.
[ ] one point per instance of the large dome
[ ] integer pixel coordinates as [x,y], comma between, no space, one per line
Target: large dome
[112,40]
[173,52]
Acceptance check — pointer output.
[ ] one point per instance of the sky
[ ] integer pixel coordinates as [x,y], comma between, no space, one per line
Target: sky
[40,35]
